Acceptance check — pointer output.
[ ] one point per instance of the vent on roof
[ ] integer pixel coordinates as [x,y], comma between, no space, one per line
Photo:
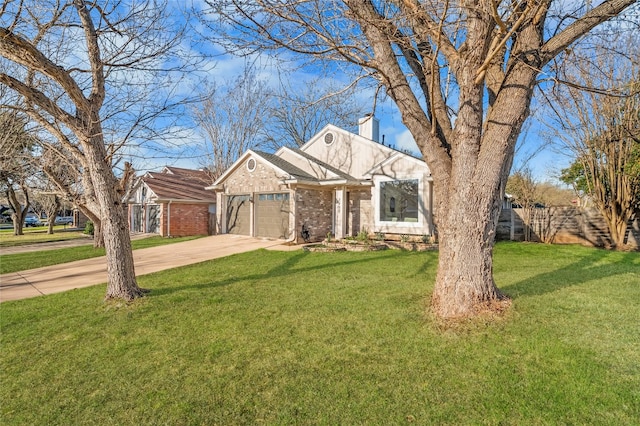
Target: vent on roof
[251,164]
[328,138]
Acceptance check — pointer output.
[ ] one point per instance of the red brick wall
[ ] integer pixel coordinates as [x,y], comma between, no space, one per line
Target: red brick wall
[184,220]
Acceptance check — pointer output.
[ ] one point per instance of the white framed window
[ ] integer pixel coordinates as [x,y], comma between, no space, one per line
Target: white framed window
[251,164]
[399,203]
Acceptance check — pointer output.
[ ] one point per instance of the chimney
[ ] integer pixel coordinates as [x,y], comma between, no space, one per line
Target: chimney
[369,127]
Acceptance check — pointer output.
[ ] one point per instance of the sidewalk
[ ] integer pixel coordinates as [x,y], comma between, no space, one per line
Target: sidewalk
[85,273]
[53,245]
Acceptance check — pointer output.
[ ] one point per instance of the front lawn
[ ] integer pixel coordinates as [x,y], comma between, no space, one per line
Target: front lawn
[332,338]
[39,235]
[37,259]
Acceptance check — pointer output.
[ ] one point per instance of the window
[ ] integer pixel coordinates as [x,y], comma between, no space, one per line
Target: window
[328,138]
[251,164]
[274,197]
[399,201]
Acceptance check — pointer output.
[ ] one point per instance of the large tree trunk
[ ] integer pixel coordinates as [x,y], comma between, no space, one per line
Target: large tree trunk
[122,282]
[121,277]
[464,282]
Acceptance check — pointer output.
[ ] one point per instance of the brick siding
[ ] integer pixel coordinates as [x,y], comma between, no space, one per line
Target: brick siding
[315,208]
[360,217]
[185,220]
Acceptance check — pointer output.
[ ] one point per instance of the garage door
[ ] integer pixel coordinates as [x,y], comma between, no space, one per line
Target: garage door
[272,215]
[238,220]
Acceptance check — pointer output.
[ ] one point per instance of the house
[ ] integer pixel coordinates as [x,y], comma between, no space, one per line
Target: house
[172,203]
[338,183]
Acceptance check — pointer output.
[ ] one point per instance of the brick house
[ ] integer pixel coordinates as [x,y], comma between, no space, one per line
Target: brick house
[338,183]
[173,203]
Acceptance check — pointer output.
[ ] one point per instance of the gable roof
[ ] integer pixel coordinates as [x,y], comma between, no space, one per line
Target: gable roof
[354,155]
[175,183]
[352,160]
[398,155]
[324,173]
[285,166]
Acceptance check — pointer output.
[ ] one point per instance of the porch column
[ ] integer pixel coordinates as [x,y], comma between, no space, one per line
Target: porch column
[340,211]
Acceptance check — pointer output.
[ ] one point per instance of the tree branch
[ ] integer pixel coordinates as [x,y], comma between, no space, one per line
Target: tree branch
[603,12]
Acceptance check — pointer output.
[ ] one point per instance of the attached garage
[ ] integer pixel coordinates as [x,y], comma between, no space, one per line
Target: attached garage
[238,215]
[272,215]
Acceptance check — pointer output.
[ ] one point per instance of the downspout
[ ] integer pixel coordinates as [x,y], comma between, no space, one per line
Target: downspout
[294,207]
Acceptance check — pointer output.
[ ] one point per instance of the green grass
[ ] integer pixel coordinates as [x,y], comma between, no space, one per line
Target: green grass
[38,235]
[332,338]
[29,260]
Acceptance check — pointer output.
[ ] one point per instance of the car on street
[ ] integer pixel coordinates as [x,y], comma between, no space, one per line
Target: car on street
[32,221]
[64,220]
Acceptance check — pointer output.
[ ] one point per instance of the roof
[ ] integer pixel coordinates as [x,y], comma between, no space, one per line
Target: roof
[175,183]
[329,167]
[285,166]
[313,164]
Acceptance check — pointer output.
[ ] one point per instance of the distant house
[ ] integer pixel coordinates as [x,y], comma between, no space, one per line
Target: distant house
[338,183]
[173,203]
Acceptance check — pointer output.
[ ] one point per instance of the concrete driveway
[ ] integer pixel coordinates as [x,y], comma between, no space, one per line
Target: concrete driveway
[85,273]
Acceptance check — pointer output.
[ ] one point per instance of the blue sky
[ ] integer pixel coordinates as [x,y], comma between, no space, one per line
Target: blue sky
[544,164]
[220,67]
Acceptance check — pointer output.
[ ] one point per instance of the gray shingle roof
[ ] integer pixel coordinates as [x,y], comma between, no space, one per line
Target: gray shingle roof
[286,166]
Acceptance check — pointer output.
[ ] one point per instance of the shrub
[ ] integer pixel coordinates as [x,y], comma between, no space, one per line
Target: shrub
[88,228]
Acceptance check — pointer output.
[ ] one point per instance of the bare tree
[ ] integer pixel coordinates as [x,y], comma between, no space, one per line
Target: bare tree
[300,110]
[49,203]
[232,118]
[16,165]
[64,173]
[599,122]
[84,70]
[462,75]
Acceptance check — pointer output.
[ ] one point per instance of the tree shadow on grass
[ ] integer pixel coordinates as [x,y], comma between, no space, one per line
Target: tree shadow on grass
[586,269]
[280,270]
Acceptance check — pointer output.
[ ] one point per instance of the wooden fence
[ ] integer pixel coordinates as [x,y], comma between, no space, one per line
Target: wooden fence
[562,225]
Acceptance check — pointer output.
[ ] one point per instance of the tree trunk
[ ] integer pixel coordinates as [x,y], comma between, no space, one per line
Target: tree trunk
[17,224]
[122,282]
[464,283]
[98,235]
[113,224]
[617,224]
[19,213]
